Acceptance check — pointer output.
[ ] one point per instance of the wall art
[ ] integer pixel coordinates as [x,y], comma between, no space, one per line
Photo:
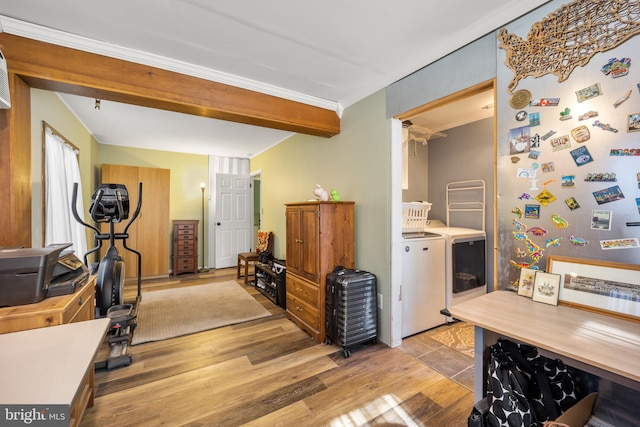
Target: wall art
[525,283]
[534,119]
[633,122]
[532,211]
[616,67]
[604,126]
[607,195]
[546,287]
[595,285]
[589,114]
[601,177]
[545,197]
[548,167]
[568,38]
[581,133]
[520,140]
[572,203]
[601,220]
[578,241]
[622,99]
[589,92]
[520,99]
[560,143]
[581,156]
[544,102]
[613,244]
[625,152]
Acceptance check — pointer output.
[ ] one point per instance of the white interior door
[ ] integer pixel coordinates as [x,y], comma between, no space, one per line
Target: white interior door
[232,218]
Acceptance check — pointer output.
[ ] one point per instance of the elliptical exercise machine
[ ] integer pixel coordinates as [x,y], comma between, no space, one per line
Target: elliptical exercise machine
[110,204]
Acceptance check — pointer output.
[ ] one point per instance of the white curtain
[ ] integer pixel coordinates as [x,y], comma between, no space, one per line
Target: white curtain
[61,172]
[218,164]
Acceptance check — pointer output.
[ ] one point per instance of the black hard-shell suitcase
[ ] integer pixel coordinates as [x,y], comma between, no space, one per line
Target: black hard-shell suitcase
[351,312]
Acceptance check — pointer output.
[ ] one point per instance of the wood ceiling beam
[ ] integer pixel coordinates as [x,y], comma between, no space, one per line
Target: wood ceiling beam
[61,69]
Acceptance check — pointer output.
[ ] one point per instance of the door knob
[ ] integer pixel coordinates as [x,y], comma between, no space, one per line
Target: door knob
[217,223]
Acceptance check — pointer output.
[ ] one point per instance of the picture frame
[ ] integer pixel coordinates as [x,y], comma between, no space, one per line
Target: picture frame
[546,287]
[633,122]
[606,287]
[601,220]
[525,283]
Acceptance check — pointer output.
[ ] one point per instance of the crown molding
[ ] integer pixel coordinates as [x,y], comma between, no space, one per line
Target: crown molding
[60,38]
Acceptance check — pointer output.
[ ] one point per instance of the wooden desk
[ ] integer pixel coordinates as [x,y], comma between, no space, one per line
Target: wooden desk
[51,366]
[603,345]
[52,311]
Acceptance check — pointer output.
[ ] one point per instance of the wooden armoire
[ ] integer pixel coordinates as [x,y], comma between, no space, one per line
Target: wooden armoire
[320,236]
[149,233]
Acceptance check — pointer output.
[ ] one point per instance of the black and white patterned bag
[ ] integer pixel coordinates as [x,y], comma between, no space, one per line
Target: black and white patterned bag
[525,389]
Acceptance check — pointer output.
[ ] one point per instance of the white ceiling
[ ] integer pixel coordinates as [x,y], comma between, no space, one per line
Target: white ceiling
[329,54]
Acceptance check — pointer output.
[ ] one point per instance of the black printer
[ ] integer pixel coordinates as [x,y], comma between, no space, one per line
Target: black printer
[26,274]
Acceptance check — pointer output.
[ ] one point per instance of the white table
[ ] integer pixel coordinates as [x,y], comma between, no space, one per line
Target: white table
[51,366]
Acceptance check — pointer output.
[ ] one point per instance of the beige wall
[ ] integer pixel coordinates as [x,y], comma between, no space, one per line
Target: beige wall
[357,163]
[187,172]
[46,106]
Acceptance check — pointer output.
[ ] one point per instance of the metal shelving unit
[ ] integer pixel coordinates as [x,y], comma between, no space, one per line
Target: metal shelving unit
[472,198]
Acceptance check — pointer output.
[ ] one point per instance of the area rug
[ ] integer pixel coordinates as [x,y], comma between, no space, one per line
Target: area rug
[181,311]
[458,336]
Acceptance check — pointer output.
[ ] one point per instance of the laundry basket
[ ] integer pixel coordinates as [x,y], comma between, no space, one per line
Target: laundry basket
[414,216]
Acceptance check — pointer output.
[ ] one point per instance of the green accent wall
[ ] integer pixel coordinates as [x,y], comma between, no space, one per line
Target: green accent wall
[357,163]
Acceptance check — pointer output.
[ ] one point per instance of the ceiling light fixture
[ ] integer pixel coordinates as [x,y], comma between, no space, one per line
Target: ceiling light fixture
[97,105]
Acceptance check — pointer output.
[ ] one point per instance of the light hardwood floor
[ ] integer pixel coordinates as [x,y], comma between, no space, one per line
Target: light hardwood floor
[270,373]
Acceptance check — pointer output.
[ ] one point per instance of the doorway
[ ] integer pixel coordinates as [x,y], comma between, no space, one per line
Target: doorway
[256,185]
[451,115]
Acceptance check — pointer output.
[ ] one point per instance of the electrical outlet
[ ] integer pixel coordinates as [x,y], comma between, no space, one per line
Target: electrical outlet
[380,301]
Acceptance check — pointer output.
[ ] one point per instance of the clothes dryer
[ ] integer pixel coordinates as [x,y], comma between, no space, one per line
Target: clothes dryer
[465,262]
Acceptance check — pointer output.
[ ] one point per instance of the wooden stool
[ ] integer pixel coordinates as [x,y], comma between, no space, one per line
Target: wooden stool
[245,259]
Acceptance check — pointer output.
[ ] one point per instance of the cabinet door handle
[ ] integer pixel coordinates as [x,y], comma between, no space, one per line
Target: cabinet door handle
[80,301]
[298,308]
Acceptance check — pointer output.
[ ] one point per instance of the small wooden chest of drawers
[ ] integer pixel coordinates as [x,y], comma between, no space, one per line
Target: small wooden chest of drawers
[185,246]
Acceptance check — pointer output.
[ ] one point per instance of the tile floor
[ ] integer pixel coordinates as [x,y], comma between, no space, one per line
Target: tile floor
[439,357]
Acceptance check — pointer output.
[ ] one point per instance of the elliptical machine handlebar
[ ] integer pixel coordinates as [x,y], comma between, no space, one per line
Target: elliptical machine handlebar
[137,211]
[74,210]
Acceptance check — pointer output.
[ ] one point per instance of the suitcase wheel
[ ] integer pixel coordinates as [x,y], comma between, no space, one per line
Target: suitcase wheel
[328,341]
[346,353]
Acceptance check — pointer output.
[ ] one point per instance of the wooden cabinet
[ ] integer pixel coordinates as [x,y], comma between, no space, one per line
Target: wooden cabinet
[51,311]
[320,236]
[149,234]
[185,246]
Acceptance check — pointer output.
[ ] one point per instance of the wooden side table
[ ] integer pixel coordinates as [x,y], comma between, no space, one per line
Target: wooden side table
[75,307]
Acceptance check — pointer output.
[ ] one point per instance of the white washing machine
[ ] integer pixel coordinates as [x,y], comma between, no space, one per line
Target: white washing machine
[423,278]
[466,262]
